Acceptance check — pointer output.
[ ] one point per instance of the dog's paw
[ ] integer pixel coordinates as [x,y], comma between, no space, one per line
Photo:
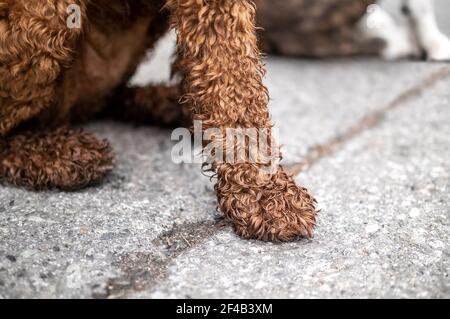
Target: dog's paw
[400,48]
[64,158]
[438,49]
[265,207]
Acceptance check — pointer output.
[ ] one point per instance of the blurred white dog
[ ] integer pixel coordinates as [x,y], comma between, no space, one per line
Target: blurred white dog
[419,35]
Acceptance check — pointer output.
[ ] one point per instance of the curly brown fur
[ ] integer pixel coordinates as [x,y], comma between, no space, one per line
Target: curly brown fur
[114,43]
[63,158]
[35,47]
[49,73]
[223,83]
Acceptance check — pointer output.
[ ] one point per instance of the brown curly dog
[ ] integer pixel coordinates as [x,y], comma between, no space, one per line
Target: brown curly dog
[52,75]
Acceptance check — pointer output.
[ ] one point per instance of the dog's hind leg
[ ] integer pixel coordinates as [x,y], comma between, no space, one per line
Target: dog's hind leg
[150,104]
[223,84]
[58,158]
[37,44]
[423,19]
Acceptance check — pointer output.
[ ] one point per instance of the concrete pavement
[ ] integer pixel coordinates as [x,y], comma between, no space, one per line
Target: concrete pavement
[151,230]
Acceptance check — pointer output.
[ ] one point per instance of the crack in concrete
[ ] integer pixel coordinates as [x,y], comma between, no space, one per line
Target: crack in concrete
[371,120]
[144,270]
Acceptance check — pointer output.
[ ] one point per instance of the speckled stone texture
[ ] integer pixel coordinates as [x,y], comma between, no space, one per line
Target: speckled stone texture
[151,230]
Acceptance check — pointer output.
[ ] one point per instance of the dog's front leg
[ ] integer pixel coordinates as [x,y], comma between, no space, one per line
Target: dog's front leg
[423,18]
[223,84]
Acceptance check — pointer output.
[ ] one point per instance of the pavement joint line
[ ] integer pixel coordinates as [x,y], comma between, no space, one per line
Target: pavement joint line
[144,270]
[317,152]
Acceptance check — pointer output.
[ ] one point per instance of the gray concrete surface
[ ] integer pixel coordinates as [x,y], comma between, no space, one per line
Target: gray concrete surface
[151,230]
